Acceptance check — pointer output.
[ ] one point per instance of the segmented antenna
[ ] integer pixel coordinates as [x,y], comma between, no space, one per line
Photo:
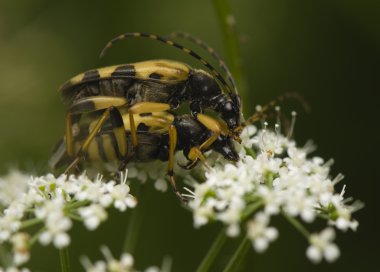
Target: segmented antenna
[262,111]
[170,43]
[211,51]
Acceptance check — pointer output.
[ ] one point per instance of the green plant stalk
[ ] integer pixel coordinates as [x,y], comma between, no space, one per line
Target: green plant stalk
[297,225]
[221,239]
[35,237]
[213,251]
[250,209]
[231,40]
[5,256]
[30,222]
[65,259]
[238,256]
[77,204]
[134,224]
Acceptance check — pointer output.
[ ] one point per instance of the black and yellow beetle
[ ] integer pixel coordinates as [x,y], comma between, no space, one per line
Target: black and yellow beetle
[158,81]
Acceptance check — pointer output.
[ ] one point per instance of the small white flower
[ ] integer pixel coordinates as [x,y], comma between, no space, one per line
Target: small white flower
[246,136]
[10,222]
[14,269]
[202,215]
[56,227]
[124,264]
[343,213]
[259,232]
[20,247]
[152,269]
[121,197]
[272,199]
[12,186]
[99,266]
[299,203]
[321,246]
[269,142]
[161,185]
[61,240]
[233,230]
[93,215]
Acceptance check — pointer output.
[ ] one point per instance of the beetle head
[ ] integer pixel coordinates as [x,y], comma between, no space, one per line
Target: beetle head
[225,146]
[203,85]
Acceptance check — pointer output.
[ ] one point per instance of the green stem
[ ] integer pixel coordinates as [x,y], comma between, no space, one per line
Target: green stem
[5,256]
[251,152]
[220,240]
[238,256]
[30,222]
[77,204]
[65,259]
[75,217]
[35,237]
[297,225]
[134,224]
[251,209]
[213,251]
[227,22]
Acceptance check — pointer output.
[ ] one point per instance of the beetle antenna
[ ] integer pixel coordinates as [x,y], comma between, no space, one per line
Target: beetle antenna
[261,112]
[292,124]
[170,43]
[211,51]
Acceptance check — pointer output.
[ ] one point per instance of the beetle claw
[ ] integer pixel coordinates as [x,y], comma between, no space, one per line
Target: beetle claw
[189,165]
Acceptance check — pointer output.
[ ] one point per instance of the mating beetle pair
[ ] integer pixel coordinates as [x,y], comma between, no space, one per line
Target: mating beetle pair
[128,106]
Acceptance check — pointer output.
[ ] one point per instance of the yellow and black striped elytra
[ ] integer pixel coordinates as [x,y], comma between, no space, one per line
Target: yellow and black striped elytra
[160,81]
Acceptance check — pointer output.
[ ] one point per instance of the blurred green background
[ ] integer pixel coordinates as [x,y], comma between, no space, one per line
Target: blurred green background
[326,50]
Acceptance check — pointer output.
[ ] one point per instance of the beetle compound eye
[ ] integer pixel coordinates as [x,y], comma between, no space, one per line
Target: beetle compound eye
[229,114]
[228,110]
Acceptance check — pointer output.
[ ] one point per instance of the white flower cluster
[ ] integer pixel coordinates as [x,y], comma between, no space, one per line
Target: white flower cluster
[154,171]
[53,203]
[124,264]
[12,186]
[275,177]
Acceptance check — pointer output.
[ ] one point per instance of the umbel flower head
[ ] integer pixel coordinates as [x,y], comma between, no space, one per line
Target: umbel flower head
[52,204]
[124,264]
[274,177]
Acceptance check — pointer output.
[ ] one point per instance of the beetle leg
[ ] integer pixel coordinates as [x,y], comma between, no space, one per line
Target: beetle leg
[141,108]
[95,103]
[196,153]
[69,135]
[118,130]
[172,147]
